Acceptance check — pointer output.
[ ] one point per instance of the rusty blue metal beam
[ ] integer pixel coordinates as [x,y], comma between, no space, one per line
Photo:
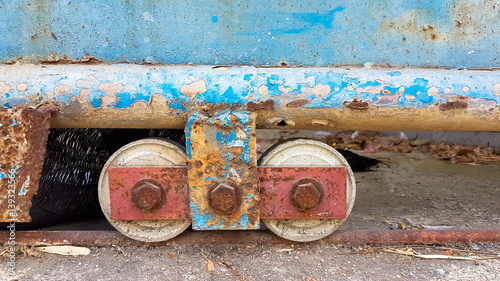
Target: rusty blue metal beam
[446,33]
[325,98]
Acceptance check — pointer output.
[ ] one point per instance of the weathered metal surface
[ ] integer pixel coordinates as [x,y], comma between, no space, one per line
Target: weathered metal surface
[148,195]
[221,151]
[23,137]
[445,33]
[310,98]
[122,181]
[276,187]
[356,237]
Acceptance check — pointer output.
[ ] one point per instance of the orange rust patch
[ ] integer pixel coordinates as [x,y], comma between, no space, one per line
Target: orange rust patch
[262,105]
[458,103]
[355,104]
[22,151]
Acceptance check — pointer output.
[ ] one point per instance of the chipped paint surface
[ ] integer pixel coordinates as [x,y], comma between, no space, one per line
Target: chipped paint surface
[120,86]
[23,136]
[126,95]
[446,33]
[222,147]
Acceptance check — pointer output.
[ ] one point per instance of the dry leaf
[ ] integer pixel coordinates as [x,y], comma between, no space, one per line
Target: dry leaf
[171,255]
[210,265]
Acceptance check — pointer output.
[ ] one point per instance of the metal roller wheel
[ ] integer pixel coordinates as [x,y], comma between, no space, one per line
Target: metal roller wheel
[149,152]
[304,152]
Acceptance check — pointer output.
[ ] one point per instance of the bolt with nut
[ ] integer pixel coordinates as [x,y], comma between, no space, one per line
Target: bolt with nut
[224,197]
[306,194]
[148,195]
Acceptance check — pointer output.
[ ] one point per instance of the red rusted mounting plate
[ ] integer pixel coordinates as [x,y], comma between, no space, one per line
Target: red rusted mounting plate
[174,179]
[276,183]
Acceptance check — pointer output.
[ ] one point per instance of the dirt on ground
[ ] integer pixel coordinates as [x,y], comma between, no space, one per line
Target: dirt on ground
[252,262]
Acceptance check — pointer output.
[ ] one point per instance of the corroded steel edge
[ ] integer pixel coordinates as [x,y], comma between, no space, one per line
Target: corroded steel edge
[23,139]
[222,148]
[120,96]
[108,238]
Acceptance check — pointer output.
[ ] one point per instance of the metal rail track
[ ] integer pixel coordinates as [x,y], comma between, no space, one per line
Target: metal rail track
[108,238]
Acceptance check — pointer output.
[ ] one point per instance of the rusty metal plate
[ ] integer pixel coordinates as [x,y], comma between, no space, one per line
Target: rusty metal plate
[23,139]
[276,185]
[123,179]
[224,193]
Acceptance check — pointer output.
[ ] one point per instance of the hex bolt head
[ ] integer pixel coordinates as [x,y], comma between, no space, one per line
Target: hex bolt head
[306,194]
[148,195]
[224,197]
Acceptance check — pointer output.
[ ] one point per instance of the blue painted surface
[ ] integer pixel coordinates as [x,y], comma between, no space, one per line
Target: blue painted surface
[446,33]
[323,87]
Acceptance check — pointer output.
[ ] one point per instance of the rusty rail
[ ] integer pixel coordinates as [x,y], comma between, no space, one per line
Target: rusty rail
[107,238]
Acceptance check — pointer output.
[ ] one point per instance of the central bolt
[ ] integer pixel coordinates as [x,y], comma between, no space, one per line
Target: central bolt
[148,195]
[306,194]
[224,197]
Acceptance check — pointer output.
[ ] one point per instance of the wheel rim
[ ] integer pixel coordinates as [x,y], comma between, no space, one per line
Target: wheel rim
[149,152]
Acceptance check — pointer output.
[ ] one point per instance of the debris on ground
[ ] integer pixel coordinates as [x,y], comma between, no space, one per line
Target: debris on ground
[19,249]
[372,142]
[65,250]
[410,224]
[210,265]
[430,252]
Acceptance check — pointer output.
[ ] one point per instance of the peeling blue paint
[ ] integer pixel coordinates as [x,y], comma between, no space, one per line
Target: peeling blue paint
[22,192]
[244,222]
[238,85]
[201,221]
[2,175]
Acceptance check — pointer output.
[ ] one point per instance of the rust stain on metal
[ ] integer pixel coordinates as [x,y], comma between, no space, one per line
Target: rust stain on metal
[23,139]
[222,149]
[298,103]
[262,105]
[56,59]
[210,109]
[458,103]
[171,203]
[281,197]
[355,104]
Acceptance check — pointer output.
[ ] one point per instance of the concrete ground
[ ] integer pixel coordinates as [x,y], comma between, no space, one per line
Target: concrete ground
[412,189]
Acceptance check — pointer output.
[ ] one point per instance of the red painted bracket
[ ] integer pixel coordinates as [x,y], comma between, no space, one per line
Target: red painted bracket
[174,179]
[276,184]
[275,199]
